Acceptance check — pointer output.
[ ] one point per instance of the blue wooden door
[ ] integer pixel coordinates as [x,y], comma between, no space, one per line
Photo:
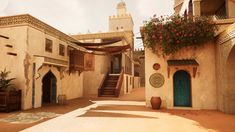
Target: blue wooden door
[182,89]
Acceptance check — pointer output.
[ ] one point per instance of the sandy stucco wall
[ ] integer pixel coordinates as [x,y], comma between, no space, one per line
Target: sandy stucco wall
[36,40]
[92,79]
[224,57]
[203,86]
[70,84]
[28,43]
[16,64]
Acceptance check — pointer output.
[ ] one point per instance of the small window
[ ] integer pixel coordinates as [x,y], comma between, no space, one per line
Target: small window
[61,49]
[121,27]
[117,28]
[48,46]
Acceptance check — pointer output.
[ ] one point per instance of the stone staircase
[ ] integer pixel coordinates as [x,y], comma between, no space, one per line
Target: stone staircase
[109,86]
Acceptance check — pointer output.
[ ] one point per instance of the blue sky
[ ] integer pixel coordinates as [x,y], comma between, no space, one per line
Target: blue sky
[81,16]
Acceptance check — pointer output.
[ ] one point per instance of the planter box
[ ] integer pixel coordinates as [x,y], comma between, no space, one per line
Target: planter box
[10,100]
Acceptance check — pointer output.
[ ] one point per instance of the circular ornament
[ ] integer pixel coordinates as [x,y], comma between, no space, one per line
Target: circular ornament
[156,80]
[156,66]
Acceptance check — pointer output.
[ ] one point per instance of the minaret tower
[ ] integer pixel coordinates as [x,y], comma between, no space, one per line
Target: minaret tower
[122,21]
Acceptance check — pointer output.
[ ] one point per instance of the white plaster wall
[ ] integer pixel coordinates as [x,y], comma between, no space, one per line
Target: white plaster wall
[121,21]
[28,42]
[203,85]
[70,84]
[15,64]
[36,40]
[225,94]
[92,79]
[38,84]
[136,82]
[128,84]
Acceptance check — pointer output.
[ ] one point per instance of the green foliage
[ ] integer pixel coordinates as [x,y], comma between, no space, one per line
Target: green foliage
[175,32]
[5,83]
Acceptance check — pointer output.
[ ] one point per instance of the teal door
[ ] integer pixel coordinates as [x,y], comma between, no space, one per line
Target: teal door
[182,89]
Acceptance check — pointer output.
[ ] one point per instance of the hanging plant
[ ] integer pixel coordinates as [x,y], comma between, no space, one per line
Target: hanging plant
[175,32]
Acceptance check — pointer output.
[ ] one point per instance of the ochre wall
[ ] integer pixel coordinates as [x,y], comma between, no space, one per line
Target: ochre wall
[15,64]
[224,62]
[203,86]
[29,45]
[92,79]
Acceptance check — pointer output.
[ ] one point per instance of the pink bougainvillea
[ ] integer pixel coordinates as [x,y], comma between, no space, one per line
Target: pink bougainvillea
[174,32]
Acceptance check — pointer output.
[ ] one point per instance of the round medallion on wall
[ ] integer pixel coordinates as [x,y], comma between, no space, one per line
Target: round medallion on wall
[156,66]
[156,80]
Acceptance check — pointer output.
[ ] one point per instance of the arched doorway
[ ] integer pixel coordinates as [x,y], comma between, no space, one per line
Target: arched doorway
[49,88]
[230,91]
[182,89]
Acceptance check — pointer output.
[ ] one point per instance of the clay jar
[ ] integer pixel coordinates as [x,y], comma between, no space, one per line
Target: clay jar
[156,102]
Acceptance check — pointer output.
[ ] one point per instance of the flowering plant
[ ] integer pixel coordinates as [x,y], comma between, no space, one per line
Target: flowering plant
[175,32]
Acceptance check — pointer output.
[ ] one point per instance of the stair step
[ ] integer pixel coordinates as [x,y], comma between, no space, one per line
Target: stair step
[112,81]
[113,78]
[107,95]
[109,89]
[111,84]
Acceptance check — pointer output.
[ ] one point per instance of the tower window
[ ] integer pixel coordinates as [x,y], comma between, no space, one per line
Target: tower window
[121,27]
[117,28]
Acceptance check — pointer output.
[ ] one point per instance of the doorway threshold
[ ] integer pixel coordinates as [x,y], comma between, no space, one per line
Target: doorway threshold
[112,74]
[184,108]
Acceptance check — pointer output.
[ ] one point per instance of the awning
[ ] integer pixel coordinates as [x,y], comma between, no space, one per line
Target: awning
[190,62]
[97,44]
[110,49]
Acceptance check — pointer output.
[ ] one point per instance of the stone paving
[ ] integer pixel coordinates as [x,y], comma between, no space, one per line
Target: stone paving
[112,115]
[129,113]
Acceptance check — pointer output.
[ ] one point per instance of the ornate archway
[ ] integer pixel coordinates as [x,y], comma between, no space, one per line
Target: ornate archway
[49,88]
[230,77]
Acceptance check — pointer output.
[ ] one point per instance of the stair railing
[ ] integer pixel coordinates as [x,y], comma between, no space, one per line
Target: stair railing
[119,83]
[100,89]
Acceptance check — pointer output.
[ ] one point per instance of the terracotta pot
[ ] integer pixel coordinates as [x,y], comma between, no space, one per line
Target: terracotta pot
[156,102]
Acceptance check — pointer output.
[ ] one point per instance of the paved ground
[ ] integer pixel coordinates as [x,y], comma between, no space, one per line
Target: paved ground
[126,114]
